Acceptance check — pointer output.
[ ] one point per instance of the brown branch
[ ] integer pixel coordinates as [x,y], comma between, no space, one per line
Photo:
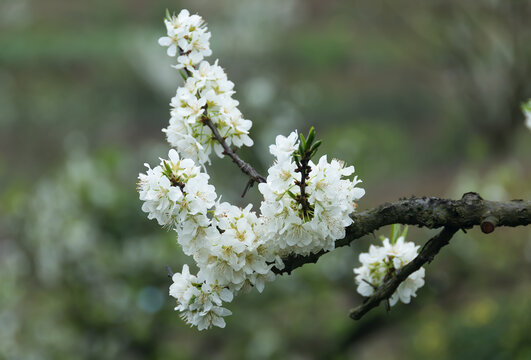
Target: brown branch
[471,210]
[386,290]
[244,167]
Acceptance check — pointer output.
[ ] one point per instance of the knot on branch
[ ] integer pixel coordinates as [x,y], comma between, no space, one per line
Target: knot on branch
[471,198]
[488,224]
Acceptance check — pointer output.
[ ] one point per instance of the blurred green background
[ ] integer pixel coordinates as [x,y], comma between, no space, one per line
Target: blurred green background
[423,97]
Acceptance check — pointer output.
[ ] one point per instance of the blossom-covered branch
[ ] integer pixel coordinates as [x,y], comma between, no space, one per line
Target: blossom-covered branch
[428,212]
[306,205]
[307,208]
[386,290]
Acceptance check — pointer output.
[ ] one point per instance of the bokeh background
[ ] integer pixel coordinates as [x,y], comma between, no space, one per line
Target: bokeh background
[423,97]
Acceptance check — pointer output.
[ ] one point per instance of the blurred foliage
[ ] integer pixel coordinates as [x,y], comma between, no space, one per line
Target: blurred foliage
[423,98]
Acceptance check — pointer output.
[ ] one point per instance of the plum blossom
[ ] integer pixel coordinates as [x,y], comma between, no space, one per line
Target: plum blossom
[332,198]
[239,257]
[187,36]
[206,94]
[381,262]
[177,194]
[235,249]
[199,302]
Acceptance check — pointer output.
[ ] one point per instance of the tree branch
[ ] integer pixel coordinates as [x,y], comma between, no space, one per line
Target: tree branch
[471,210]
[426,254]
[244,167]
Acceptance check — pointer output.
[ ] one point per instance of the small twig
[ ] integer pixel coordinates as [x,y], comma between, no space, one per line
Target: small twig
[384,292]
[370,283]
[304,169]
[170,273]
[249,185]
[244,167]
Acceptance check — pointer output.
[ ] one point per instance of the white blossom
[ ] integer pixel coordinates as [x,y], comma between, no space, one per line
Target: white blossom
[207,94]
[238,256]
[382,261]
[284,147]
[188,37]
[331,198]
[177,194]
[199,302]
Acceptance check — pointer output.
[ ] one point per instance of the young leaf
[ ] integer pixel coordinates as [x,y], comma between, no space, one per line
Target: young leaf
[404,233]
[395,230]
[302,144]
[311,136]
[292,195]
[316,145]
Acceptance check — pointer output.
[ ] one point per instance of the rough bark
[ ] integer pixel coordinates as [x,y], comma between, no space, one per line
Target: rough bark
[471,210]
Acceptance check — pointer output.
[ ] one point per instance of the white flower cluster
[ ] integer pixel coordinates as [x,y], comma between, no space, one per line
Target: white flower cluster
[221,237]
[188,37]
[234,249]
[381,262]
[177,194]
[238,258]
[206,94]
[199,302]
[331,199]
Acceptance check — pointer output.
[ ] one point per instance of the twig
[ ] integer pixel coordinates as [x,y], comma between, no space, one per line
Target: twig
[244,167]
[249,185]
[385,291]
[170,273]
[430,212]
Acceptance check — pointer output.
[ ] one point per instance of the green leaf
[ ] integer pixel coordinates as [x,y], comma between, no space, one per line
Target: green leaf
[404,233]
[395,230]
[303,144]
[311,136]
[316,145]
[301,149]
[183,74]
[292,195]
